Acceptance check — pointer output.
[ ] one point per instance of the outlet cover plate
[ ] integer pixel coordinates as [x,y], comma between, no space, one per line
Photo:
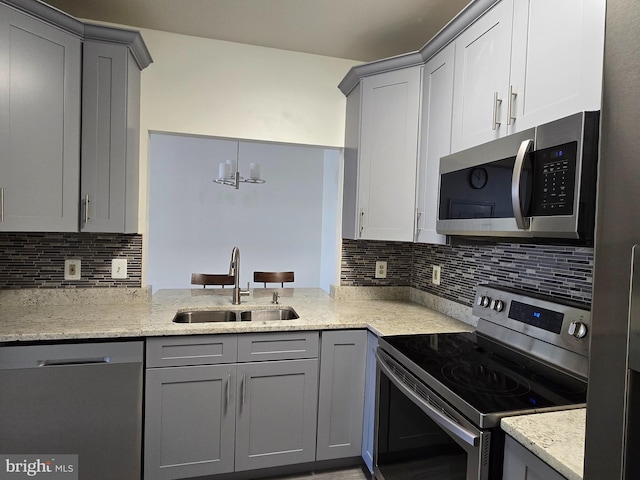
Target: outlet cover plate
[72,269]
[381,269]
[119,268]
[435,277]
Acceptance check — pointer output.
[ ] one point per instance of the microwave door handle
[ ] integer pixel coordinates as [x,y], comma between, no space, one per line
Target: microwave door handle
[435,415]
[521,221]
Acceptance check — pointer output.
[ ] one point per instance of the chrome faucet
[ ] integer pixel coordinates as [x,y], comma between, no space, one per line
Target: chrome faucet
[234,271]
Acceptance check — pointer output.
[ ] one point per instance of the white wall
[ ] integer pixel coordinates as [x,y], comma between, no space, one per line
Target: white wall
[280,225]
[223,89]
[331,238]
[208,87]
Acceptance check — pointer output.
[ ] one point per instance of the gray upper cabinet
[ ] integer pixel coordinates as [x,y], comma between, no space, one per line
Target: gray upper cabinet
[39,124]
[60,77]
[388,156]
[381,150]
[341,398]
[112,60]
[435,140]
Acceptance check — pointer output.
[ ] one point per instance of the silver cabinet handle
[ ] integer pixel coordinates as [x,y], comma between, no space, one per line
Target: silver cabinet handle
[418,215]
[2,204]
[86,209]
[244,388]
[496,101]
[228,390]
[512,96]
[361,221]
[525,148]
[74,361]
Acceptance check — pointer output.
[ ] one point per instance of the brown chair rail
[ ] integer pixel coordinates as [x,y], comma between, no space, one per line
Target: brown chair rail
[273,277]
[205,279]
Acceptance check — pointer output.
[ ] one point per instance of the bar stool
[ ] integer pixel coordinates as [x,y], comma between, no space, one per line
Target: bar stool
[273,277]
[205,279]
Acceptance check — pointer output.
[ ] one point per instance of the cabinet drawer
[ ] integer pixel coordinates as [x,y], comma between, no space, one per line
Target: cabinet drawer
[257,347]
[191,350]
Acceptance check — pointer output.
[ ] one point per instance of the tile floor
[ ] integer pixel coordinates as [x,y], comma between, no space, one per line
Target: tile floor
[352,473]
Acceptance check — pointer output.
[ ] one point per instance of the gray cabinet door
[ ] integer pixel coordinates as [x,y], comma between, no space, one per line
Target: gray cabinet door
[369,402]
[110,138]
[39,125]
[350,227]
[341,393]
[521,464]
[388,156]
[277,407]
[190,421]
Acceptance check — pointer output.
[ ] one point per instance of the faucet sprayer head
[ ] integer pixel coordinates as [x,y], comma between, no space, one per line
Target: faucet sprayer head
[235,253]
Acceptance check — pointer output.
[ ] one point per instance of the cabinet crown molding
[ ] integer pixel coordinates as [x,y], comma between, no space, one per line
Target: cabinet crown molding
[450,31]
[85,31]
[131,38]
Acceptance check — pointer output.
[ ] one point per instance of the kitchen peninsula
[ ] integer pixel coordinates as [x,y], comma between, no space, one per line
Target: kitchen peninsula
[134,313]
[70,315]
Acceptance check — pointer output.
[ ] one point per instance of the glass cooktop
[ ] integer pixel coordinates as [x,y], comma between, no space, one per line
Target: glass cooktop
[486,375]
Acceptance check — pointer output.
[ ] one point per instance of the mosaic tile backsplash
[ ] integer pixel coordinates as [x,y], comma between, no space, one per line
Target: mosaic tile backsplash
[560,271]
[36,260]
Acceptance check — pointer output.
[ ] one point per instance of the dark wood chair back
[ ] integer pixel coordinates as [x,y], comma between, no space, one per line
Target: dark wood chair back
[273,277]
[205,279]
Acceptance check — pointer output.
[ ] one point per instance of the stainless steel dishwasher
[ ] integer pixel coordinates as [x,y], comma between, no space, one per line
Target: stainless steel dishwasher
[83,399]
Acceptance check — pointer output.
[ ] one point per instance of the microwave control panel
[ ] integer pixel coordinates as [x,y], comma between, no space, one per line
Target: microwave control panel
[554,174]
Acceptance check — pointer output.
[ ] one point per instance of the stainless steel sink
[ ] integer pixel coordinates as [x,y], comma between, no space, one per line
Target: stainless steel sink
[259,314]
[269,314]
[202,316]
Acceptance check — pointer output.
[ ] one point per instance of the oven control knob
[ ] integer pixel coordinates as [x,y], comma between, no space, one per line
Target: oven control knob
[498,306]
[486,301]
[578,329]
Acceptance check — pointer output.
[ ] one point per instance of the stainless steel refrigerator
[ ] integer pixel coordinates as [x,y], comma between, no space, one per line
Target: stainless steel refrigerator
[612,403]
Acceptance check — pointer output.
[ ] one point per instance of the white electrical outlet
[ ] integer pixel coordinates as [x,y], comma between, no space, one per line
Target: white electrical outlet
[72,269]
[119,268]
[435,276]
[381,269]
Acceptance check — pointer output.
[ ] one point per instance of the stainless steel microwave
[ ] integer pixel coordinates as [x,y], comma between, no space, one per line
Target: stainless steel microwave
[535,184]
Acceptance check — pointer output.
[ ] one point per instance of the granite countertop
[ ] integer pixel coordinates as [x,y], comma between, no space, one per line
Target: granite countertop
[557,438]
[33,319]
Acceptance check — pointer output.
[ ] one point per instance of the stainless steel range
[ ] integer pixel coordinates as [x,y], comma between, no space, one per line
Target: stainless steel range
[440,397]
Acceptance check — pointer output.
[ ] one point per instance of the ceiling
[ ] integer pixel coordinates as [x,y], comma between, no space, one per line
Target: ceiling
[363,30]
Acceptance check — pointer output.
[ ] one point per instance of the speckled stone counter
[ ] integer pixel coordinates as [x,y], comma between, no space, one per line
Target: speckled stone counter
[557,438]
[316,309]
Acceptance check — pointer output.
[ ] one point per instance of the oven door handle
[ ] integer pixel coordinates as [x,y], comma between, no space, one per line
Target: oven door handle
[521,221]
[438,417]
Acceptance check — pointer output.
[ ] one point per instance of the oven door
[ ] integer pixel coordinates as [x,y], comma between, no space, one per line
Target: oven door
[418,435]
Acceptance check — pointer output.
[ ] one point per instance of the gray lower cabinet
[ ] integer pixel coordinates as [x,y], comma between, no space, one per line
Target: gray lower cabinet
[341,393]
[208,410]
[190,421]
[276,419]
[369,402]
[521,464]
[39,124]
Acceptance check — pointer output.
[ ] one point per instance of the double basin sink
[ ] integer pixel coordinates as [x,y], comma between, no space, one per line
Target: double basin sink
[257,314]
